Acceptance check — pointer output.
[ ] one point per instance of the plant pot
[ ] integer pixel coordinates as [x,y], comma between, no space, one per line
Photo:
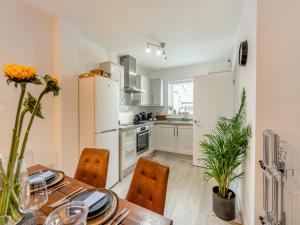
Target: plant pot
[223,208]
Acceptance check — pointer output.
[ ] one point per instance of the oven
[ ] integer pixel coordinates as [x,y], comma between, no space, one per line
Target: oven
[142,140]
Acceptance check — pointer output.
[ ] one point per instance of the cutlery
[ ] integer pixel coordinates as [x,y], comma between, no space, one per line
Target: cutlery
[62,200]
[123,217]
[117,216]
[51,190]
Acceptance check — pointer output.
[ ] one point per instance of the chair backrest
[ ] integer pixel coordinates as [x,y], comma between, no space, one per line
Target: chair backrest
[148,187]
[92,167]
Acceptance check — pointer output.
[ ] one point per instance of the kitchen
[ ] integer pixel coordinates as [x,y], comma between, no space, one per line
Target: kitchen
[131,115]
[140,133]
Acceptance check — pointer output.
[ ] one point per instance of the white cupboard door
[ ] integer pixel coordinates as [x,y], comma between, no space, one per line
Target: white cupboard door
[213,97]
[117,74]
[110,141]
[157,92]
[106,104]
[151,137]
[184,139]
[165,138]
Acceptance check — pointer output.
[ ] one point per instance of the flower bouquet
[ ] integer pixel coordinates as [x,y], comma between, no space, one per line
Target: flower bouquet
[21,76]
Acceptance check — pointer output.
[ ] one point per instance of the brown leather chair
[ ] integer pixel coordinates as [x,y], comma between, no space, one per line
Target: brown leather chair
[148,186]
[92,167]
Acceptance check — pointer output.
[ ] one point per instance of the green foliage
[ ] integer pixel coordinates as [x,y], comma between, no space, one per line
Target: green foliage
[224,150]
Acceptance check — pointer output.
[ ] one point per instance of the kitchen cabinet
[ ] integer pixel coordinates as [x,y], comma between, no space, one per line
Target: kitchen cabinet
[128,148]
[165,139]
[143,83]
[185,139]
[153,91]
[157,89]
[174,138]
[117,74]
[151,137]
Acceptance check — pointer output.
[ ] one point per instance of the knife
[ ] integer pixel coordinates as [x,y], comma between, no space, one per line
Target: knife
[123,217]
[117,216]
[65,198]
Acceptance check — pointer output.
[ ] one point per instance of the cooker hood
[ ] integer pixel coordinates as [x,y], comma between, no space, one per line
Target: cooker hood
[129,64]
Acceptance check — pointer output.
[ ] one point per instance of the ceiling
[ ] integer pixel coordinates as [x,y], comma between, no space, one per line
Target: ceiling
[195,31]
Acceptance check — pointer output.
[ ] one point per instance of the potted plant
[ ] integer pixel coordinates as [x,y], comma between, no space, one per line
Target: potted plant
[224,151]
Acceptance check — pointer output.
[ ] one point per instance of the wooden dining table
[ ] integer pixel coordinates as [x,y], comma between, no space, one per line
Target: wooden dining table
[134,218]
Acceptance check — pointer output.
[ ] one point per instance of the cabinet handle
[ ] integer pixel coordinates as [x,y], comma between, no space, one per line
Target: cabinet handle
[174,131]
[177,130]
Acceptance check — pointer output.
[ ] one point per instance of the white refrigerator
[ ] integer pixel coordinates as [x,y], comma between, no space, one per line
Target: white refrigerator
[99,120]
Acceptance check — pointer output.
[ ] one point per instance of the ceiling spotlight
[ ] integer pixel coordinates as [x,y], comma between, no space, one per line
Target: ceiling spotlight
[148,49]
[159,49]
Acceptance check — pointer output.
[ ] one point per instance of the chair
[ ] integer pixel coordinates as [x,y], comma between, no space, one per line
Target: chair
[92,167]
[149,185]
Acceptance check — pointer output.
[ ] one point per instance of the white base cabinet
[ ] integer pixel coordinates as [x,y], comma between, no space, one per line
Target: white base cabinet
[173,138]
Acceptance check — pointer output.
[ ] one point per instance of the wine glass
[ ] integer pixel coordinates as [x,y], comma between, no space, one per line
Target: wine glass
[33,195]
[6,220]
[149,220]
[72,213]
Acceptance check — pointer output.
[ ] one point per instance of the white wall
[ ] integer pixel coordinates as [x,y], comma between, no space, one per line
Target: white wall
[278,101]
[76,54]
[183,73]
[246,77]
[27,38]
[35,38]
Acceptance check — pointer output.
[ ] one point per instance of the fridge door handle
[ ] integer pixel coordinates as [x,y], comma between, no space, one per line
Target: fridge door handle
[107,131]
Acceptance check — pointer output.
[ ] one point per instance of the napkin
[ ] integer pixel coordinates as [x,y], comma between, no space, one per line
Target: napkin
[94,198]
[45,175]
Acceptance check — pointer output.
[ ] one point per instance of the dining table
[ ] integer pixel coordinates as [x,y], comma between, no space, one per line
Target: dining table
[134,218]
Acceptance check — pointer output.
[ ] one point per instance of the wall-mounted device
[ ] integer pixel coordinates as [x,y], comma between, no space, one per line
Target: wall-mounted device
[243,53]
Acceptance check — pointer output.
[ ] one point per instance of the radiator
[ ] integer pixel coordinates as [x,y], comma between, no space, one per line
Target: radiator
[275,176]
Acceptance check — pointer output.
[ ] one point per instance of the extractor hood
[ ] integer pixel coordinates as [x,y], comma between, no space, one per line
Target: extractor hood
[129,64]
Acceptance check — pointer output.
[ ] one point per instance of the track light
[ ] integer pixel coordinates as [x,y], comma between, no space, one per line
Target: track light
[159,49]
[148,49]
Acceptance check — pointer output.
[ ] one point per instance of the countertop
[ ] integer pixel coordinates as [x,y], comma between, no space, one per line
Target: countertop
[148,123]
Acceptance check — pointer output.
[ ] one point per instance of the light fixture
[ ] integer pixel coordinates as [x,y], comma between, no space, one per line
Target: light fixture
[159,49]
[148,49]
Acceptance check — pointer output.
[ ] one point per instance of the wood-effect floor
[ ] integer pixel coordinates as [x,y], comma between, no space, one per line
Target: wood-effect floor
[188,196]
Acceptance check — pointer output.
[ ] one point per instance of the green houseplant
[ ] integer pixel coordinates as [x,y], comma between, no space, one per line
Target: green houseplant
[224,151]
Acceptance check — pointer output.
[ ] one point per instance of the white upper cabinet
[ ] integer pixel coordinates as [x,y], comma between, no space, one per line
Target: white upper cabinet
[157,90]
[153,91]
[117,74]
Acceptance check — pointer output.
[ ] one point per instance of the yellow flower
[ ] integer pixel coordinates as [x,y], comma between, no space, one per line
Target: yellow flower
[19,72]
[55,80]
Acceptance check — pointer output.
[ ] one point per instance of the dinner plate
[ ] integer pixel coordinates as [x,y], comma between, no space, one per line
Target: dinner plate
[58,177]
[98,208]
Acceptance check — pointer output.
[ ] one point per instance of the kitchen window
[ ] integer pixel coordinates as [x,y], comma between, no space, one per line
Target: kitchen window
[180,97]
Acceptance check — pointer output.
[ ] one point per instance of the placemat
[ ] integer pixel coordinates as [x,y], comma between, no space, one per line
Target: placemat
[59,178]
[108,215]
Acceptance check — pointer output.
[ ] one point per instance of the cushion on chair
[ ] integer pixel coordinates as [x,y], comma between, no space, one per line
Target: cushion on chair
[149,185]
[92,167]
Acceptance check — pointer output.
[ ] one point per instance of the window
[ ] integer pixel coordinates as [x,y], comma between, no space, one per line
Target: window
[180,97]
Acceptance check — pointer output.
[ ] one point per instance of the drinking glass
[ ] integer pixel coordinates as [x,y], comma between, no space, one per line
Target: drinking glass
[6,220]
[72,213]
[33,195]
[149,220]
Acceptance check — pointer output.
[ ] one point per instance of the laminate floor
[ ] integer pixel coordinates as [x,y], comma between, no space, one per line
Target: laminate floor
[188,196]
